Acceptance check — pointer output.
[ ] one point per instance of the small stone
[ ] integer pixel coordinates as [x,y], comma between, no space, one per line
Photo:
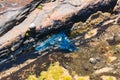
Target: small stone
[86,68]
[98,58]
[78,27]
[11,56]
[95,67]
[12,49]
[32,25]
[93,60]
[77,43]
[107,48]
[27,34]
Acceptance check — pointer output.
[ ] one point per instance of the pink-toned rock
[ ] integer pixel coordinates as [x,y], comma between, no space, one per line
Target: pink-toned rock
[8,4]
[13,35]
[63,12]
[13,15]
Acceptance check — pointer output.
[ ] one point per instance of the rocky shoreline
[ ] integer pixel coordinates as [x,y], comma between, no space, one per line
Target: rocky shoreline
[98,34]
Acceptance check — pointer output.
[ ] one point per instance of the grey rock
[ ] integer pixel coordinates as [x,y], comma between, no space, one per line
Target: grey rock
[9,18]
[92,60]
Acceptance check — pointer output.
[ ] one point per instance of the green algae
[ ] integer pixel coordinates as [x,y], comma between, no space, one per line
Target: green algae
[40,7]
[54,72]
[57,72]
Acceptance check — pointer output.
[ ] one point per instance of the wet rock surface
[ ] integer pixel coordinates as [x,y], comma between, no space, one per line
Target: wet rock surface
[97,40]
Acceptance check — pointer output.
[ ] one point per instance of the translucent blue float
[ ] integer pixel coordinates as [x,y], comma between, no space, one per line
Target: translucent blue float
[60,40]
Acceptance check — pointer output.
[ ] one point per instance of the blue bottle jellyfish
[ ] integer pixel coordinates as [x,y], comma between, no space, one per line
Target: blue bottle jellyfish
[60,40]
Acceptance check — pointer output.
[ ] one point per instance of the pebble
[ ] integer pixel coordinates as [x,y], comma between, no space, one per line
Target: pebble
[92,60]
[77,43]
[86,67]
[95,67]
[12,49]
[98,59]
[32,25]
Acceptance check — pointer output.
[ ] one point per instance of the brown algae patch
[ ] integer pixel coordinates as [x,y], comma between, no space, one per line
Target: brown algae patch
[92,21]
